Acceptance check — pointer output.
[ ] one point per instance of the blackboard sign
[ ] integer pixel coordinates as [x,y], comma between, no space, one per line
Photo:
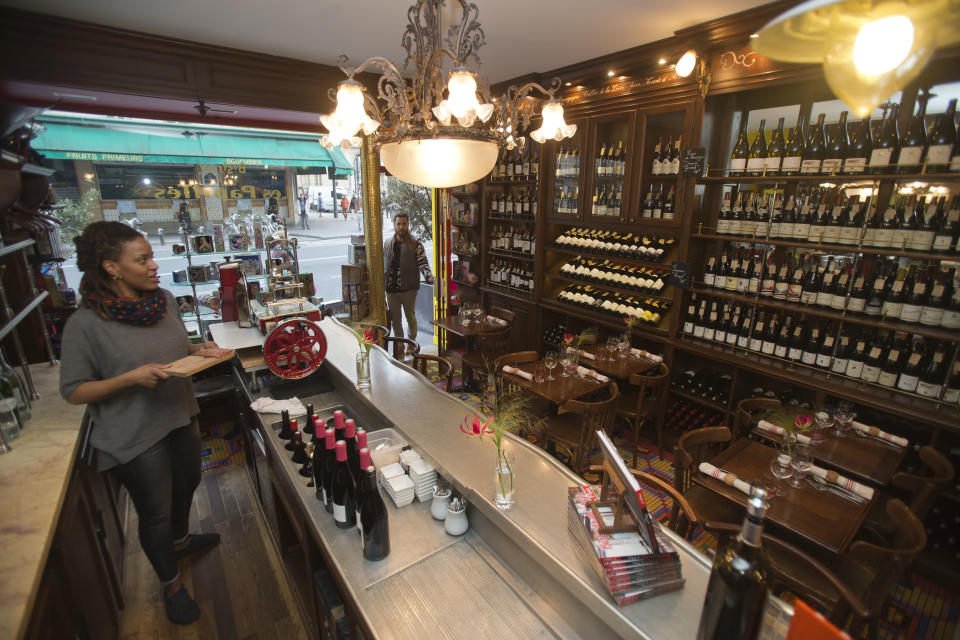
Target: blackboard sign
[679,275]
[694,161]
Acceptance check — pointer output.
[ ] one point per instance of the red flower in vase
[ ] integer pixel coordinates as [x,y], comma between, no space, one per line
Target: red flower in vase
[476,428]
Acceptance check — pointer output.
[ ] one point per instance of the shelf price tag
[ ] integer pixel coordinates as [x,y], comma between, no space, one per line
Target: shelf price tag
[679,275]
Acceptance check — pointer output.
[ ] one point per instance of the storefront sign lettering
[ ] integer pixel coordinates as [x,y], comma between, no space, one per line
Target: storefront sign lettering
[103,157]
[193,192]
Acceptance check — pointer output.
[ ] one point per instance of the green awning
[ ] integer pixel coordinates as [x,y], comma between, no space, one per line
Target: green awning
[122,140]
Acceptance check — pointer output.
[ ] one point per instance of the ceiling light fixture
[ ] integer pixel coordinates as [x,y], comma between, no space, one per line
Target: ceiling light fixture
[610,73]
[686,63]
[662,61]
[424,138]
[869,50]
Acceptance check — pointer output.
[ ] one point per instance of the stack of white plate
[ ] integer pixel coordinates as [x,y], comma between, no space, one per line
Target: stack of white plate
[400,489]
[424,479]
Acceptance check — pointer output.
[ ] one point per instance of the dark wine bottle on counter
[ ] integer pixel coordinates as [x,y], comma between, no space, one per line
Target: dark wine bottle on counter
[794,151]
[308,421]
[328,468]
[294,432]
[361,489]
[343,490]
[737,589]
[374,525]
[741,150]
[353,451]
[316,460]
[285,431]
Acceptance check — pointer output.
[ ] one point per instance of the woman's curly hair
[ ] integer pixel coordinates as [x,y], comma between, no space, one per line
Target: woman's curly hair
[100,241]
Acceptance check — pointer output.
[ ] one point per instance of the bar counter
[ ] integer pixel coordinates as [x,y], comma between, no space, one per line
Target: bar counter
[515,573]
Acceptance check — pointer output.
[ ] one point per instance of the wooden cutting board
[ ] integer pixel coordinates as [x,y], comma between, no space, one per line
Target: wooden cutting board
[186,367]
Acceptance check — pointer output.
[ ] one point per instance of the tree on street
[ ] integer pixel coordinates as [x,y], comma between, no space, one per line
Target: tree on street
[412,200]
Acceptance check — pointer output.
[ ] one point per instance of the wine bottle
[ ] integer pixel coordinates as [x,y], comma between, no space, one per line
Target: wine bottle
[328,468]
[783,340]
[756,335]
[836,152]
[872,364]
[933,376]
[795,286]
[794,151]
[916,289]
[757,158]
[710,327]
[910,375]
[657,166]
[343,490]
[733,328]
[353,451]
[675,156]
[362,490]
[811,348]
[811,283]
[948,231]
[815,149]
[286,431]
[859,291]
[890,371]
[743,336]
[887,144]
[942,139]
[775,150]
[319,453]
[857,358]
[893,295]
[294,434]
[709,271]
[825,353]
[741,150]
[951,392]
[801,224]
[858,153]
[914,140]
[842,358]
[932,312]
[374,525]
[737,589]
[769,339]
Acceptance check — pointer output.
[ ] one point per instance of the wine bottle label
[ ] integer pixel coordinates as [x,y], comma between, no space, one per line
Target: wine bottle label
[708,333]
[759,229]
[810,167]
[772,164]
[849,235]
[801,230]
[732,283]
[743,342]
[791,163]
[883,238]
[951,396]
[855,165]
[674,166]
[838,302]
[754,285]
[855,369]
[892,309]
[825,299]
[955,163]
[921,240]
[880,158]
[766,287]
[815,233]
[698,331]
[942,242]
[856,305]
[794,292]
[708,279]
[720,281]
[939,154]
[780,351]
[768,347]
[910,312]
[839,365]
[339,512]
[720,335]
[731,338]
[657,168]
[887,379]
[928,390]
[870,373]
[795,353]
[780,291]
[723,226]
[808,297]
[823,360]
[832,165]
[742,285]
[755,164]
[755,344]
[809,357]
[931,316]
[949,320]
[786,230]
[909,156]
[737,165]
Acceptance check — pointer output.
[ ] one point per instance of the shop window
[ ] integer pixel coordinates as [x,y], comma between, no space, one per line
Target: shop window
[143,182]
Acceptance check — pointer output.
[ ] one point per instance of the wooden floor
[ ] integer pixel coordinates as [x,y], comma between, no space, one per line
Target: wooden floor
[239,585]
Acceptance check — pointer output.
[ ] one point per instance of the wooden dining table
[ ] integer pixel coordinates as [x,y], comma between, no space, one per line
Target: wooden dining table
[621,368]
[862,458]
[468,331]
[820,518]
[557,391]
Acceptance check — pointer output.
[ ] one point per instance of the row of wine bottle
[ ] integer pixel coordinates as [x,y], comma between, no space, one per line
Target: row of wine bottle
[823,215]
[684,415]
[645,310]
[928,296]
[567,200]
[512,273]
[888,358]
[517,165]
[343,478]
[568,162]
[610,161]
[519,205]
[607,200]
[617,274]
[666,160]
[886,151]
[614,243]
[657,204]
[708,384]
[513,238]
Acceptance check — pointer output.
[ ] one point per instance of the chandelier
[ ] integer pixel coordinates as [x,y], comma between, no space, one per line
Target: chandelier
[440,128]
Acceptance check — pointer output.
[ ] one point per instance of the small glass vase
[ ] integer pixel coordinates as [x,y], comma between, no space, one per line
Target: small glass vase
[504,480]
[363,369]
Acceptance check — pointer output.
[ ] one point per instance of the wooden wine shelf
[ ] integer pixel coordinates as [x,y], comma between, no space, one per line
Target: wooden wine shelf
[829,248]
[468,256]
[702,401]
[512,220]
[464,224]
[841,177]
[898,403]
[511,255]
[820,312]
[513,183]
[604,320]
[463,283]
[622,290]
[603,256]
[511,292]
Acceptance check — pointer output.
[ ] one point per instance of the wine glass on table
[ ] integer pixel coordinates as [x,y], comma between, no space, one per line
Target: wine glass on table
[801,464]
[613,347]
[539,373]
[843,418]
[625,345]
[463,313]
[550,360]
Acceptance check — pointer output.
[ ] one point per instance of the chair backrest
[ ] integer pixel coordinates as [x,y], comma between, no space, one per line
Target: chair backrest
[694,447]
[650,388]
[421,363]
[397,346]
[598,414]
[923,489]
[503,314]
[493,343]
[680,516]
[790,570]
[878,568]
[746,408]
[501,386]
[380,331]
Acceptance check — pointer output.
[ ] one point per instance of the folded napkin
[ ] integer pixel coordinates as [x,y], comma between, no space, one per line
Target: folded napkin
[590,373]
[846,483]
[517,372]
[883,435]
[269,405]
[643,353]
[724,477]
[780,431]
[587,355]
[496,320]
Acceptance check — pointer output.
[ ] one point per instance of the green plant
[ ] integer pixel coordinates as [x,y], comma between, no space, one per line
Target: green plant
[510,416]
[75,216]
[415,201]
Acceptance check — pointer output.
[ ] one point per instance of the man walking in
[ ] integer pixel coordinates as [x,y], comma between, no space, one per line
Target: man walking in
[304,221]
[404,259]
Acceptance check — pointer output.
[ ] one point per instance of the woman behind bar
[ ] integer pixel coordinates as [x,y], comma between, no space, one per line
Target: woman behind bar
[145,429]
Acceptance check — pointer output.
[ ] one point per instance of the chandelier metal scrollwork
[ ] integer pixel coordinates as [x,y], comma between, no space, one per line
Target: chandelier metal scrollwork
[437,108]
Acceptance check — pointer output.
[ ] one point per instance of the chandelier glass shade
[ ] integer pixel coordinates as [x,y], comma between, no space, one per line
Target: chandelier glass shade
[437,127]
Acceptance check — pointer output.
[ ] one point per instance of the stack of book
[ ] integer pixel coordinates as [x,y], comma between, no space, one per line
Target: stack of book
[628,566]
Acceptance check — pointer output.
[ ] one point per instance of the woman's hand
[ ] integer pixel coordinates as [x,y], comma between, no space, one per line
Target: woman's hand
[148,375]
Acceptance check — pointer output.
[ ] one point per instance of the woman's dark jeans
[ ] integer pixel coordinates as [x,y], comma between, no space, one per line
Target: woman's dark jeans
[161,482]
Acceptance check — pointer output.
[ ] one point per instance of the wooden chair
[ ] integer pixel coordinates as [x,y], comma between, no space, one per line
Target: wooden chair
[489,346]
[791,571]
[535,406]
[680,516]
[575,428]
[695,447]
[918,490]
[399,346]
[746,409]
[503,314]
[380,331]
[444,368]
[641,408]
